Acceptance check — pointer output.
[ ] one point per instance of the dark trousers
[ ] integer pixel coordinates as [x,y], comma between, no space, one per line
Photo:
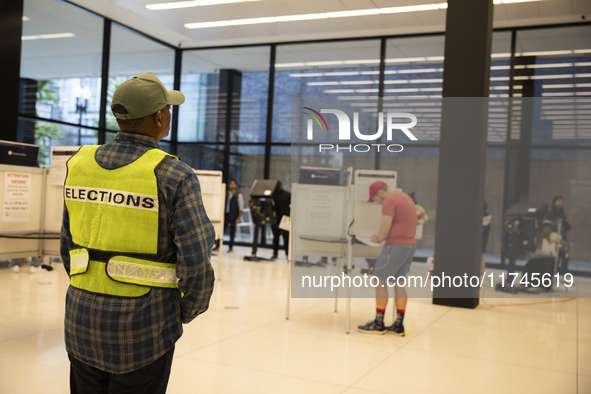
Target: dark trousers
[151,379]
[277,232]
[232,224]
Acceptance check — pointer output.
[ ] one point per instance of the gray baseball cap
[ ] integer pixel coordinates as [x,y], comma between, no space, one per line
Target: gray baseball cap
[141,96]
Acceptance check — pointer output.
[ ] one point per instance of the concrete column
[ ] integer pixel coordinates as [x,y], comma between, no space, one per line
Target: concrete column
[462,152]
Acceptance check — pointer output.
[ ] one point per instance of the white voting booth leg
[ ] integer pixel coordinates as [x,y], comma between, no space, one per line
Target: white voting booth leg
[288,277]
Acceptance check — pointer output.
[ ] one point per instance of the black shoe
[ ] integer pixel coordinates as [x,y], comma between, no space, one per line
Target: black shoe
[372,328]
[274,256]
[397,329]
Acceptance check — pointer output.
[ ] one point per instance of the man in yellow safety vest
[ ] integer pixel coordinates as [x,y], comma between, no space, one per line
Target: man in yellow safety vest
[136,242]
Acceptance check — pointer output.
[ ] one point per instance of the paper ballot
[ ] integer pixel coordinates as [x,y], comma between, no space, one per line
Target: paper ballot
[368,241]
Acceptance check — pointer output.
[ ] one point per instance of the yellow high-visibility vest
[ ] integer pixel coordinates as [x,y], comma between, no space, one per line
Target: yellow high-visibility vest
[114,214]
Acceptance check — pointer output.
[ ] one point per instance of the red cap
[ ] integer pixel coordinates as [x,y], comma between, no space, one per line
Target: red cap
[373,188]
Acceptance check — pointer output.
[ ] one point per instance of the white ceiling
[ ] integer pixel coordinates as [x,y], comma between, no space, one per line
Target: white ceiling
[168,25]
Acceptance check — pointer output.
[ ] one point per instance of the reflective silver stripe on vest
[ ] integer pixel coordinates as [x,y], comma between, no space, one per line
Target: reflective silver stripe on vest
[127,271]
[79,261]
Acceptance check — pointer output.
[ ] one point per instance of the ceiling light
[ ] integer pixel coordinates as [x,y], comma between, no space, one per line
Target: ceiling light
[252,21]
[340,91]
[358,82]
[366,61]
[438,80]
[289,18]
[406,90]
[559,86]
[547,65]
[325,63]
[546,53]
[292,65]
[343,14]
[418,71]
[170,6]
[303,17]
[512,1]
[500,55]
[215,24]
[410,8]
[406,59]
[341,73]
[26,18]
[323,83]
[187,4]
[306,74]
[47,36]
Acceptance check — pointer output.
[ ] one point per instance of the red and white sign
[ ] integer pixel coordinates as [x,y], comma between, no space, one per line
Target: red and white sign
[17,197]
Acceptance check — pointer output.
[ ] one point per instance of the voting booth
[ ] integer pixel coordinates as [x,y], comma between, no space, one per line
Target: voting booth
[22,208]
[54,199]
[334,218]
[213,193]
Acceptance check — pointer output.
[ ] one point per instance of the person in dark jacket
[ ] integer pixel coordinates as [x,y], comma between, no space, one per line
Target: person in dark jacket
[282,208]
[234,209]
[556,215]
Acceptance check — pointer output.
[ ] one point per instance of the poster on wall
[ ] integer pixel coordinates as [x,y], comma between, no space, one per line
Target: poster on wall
[17,197]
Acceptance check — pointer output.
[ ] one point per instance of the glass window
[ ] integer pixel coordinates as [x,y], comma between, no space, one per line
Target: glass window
[61,62]
[202,157]
[208,78]
[414,78]
[133,54]
[48,134]
[247,163]
[281,165]
[343,70]
[553,62]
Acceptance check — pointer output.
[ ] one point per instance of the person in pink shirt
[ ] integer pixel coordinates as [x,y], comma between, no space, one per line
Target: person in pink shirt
[397,228]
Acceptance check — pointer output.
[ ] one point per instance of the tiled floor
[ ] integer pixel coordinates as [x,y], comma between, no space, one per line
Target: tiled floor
[244,344]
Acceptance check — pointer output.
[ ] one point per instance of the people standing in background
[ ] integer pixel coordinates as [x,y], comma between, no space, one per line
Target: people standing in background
[282,208]
[557,216]
[234,209]
[561,226]
[550,241]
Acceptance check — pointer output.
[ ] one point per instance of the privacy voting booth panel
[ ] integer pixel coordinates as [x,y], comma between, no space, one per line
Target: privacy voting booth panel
[54,196]
[213,194]
[368,216]
[318,223]
[22,196]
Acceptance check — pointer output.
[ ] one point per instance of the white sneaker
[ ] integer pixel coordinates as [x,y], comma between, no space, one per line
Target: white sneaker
[33,269]
[16,269]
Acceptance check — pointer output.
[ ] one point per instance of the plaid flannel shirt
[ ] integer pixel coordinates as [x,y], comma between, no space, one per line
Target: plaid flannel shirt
[120,334]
